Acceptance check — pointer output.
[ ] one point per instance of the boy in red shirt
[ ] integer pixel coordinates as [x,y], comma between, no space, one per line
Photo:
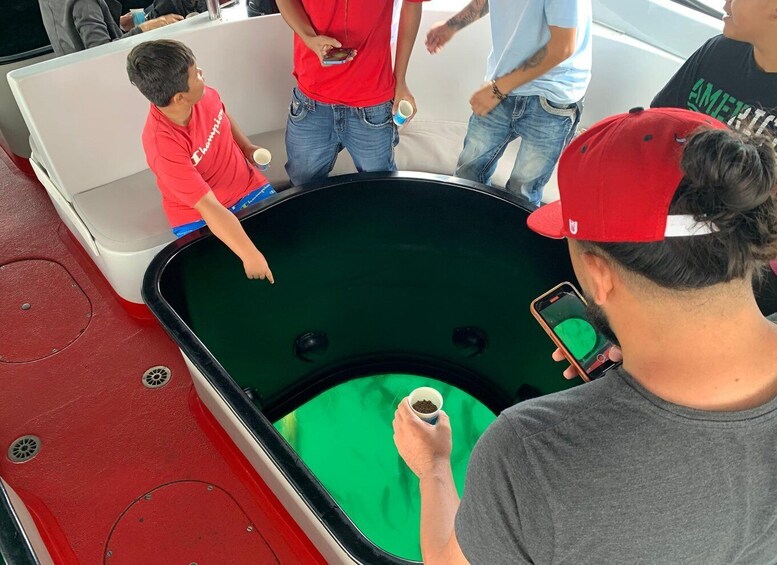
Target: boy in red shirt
[198,153]
[347,105]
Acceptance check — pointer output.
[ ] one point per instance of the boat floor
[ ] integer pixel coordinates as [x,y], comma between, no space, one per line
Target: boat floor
[125,473]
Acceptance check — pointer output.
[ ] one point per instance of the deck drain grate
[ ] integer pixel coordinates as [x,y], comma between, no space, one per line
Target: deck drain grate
[24,449]
[157,376]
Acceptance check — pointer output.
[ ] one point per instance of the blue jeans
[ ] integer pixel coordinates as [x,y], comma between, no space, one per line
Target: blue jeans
[252,197]
[317,132]
[545,129]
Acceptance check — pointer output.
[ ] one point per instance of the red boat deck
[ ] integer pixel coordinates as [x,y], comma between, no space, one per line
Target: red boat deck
[125,473]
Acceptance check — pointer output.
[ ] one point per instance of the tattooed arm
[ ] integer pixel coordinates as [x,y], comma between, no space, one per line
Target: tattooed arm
[559,48]
[442,32]
[470,13]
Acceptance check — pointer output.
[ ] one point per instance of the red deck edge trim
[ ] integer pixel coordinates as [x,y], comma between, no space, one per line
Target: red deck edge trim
[49,529]
[22,163]
[248,475]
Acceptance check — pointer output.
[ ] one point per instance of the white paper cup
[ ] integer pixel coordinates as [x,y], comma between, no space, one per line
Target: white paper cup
[404,111]
[426,393]
[262,158]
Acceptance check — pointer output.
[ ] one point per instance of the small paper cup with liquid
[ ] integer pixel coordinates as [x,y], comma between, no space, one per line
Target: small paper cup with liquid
[262,158]
[430,394]
[404,111]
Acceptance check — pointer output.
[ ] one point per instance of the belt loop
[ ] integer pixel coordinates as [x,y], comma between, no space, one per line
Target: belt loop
[307,101]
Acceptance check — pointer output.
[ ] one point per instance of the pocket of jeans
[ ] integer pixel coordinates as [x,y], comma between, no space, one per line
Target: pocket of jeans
[298,107]
[563,110]
[377,116]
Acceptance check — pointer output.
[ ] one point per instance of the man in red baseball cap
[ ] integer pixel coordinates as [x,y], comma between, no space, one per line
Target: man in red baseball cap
[669,458]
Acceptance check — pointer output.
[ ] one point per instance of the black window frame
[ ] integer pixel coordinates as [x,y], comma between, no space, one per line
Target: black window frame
[24,35]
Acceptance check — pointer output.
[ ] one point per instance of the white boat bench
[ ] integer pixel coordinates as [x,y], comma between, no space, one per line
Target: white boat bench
[85,120]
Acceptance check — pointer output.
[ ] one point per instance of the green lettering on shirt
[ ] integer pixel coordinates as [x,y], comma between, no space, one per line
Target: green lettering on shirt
[705,98]
[709,98]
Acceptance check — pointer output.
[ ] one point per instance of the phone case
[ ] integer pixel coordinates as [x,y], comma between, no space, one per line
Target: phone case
[551,334]
[341,55]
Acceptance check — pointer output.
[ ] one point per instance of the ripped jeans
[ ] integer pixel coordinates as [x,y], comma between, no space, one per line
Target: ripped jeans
[544,127]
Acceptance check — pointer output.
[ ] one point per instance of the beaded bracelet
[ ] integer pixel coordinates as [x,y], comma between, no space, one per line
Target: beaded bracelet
[496,91]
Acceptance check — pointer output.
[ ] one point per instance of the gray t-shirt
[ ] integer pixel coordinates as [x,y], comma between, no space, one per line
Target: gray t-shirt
[609,473]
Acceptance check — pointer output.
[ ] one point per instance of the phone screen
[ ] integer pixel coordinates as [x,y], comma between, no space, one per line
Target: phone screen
[563,313]
[337,55]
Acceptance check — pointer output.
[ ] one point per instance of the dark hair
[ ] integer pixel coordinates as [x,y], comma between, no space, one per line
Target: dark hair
[730,181]
[160,69]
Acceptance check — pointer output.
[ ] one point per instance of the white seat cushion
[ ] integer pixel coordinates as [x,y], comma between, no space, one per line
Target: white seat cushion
[126,215]
[434,147]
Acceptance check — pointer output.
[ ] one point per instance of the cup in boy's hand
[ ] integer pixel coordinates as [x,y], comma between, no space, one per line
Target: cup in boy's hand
[426,403]
[262,158]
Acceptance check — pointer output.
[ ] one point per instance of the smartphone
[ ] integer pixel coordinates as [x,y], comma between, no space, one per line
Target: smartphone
[561,313]
[338,56]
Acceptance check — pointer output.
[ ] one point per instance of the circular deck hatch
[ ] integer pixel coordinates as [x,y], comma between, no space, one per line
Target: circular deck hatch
[186,522]
[43,310]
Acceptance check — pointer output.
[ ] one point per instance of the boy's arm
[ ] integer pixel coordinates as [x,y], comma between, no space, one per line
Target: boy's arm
[242,140]
[294,14]
[228,229]
[559,48]
[181,181]
[441,33]
[409,21]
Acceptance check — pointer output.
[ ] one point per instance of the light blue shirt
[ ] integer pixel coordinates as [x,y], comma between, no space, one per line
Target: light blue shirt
[519,28]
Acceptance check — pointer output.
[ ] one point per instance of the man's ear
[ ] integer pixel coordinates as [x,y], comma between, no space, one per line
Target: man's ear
[600,275]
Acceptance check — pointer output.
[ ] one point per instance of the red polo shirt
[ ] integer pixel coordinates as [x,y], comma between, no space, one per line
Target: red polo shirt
[364,25]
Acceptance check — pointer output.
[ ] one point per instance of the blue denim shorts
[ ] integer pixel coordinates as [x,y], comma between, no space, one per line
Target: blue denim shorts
[251,198]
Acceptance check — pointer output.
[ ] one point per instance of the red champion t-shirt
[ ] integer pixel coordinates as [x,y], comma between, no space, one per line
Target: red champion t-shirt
[188,161]
[357,24]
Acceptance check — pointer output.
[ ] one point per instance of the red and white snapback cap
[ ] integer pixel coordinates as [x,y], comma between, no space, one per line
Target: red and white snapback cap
[617,180]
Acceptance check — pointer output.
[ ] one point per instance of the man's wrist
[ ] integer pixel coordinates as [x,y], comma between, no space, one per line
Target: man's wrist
[453,24]
[439,471]
[307,38]
[496,88]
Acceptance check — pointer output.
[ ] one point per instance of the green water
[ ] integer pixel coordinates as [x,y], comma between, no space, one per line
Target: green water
[344,436]
[388,269]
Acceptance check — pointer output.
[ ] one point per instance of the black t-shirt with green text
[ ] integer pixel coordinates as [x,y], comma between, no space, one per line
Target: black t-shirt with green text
[721,79]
